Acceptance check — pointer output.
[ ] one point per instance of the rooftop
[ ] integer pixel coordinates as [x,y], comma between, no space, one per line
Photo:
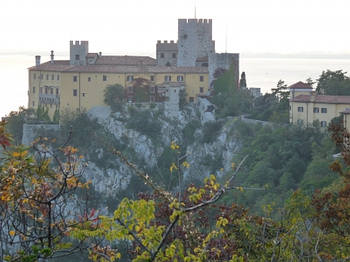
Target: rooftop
[64,66]
[325,99]
[300,85]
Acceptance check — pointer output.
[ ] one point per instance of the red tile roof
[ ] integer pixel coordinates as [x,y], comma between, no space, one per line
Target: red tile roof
[126,60]
[326,99]
[64,66]
[300,85]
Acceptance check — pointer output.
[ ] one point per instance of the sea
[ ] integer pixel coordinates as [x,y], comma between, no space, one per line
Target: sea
[261,71]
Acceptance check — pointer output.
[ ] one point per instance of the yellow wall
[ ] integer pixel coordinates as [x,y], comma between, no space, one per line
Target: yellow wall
[37,82]
[308,116]
[91,93]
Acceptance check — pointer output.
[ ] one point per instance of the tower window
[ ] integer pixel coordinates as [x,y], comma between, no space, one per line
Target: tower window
[161,55]
[77,57]
[57,91]
[41,90]
[174,55]
[323,123]
[191,99]
[316,110]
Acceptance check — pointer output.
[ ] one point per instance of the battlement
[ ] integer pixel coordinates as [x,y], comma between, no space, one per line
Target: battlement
[79,43]
[195,21]
[166,42]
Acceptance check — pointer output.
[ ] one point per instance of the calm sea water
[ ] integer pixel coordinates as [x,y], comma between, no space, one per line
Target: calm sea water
[260,72]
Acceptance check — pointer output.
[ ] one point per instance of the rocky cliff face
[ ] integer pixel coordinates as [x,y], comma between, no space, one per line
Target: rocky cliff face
[207,145]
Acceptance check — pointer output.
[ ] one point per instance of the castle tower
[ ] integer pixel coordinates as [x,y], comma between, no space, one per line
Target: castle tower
[166,53]
[78,52]
[194,41]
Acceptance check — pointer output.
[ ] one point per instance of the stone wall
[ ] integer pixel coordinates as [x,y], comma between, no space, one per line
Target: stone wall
[30,130]
[194,40]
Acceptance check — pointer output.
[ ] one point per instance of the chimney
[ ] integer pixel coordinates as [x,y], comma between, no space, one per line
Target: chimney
[52,57]
[37,60]
[100,54]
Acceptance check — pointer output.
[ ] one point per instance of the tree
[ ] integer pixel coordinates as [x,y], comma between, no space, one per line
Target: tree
[35,191]
[243,81]
[228,99]
[114,97]
[333,83]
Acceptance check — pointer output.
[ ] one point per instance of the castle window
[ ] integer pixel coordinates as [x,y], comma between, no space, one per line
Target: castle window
[191,99]
[52,77]
[75,92]
[33,89]
[323,123]
[300,109]
[167,78]
[77,57]
[57,91]
[174,55]
[185,36]
[316,110]
[89,79]
[47,77]
[324,110]
[201,78]
[41,90]
[46,91]
[41,76]
[161,55]
[129,78]
[201,90]
[51,91]
[34,76]
[168,63]
[75,78]
[58,77]
[104,78]
[180,78]
[152,78]
[33,103]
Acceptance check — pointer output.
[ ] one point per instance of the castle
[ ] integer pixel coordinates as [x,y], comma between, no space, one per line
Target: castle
[79,83]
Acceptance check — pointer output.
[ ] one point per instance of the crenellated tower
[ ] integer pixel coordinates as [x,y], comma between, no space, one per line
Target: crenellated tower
[167,53]
[78,52]
[195,43]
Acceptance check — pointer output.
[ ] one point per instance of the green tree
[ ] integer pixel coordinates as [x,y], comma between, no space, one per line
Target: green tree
[333,83]
[114,97]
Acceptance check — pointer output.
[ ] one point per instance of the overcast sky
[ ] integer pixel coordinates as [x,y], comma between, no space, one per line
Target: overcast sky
[133,26]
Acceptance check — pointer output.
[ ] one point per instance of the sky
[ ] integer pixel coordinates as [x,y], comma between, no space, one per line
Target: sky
[249,27]
[133,26]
